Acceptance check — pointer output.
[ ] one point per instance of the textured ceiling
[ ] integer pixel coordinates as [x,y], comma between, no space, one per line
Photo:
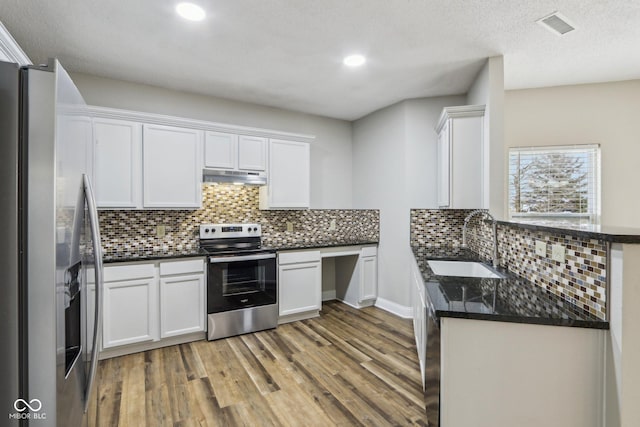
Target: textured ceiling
[288,53]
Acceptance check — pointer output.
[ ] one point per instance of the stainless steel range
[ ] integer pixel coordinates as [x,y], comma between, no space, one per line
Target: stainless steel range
[242,287]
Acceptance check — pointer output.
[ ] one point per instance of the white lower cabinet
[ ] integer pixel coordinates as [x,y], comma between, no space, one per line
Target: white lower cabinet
[182,304]
[146,303]
[419,308]
[130,305]
[299,283]
[368,274]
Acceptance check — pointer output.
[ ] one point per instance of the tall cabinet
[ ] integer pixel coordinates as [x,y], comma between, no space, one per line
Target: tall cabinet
[462,158]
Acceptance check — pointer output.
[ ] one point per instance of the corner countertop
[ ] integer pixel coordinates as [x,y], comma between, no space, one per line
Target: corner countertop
[158,254]
[587,231]
[512,299]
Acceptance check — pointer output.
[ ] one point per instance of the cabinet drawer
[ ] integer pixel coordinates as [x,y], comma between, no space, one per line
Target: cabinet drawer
[128,272]
[297,257]
[182,267]
[369,251]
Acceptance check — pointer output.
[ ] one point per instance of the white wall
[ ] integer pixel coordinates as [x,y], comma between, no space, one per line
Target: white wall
[394,171]
[330,152]
[607,114]
[488,90]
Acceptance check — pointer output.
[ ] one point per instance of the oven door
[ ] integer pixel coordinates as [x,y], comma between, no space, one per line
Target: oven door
[244,281]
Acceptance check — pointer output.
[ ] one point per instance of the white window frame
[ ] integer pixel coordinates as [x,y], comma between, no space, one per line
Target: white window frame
[592,217]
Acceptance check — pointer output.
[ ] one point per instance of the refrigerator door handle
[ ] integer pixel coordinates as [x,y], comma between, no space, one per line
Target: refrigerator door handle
[97,255]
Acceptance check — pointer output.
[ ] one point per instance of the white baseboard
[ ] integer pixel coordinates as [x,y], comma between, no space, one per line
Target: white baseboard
[298,316]
[108,353]
[367,303]
[329,295]
[395,308]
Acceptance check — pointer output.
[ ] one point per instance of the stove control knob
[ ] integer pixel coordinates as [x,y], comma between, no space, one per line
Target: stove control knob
[213,230]
[206,230]
[255,228]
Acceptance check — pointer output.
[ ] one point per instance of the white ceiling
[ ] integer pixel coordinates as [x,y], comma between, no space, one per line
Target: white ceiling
[288,53]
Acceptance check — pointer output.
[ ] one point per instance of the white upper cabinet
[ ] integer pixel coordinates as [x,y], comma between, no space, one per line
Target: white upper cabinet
[118,163]
[235,152]
[289,176]
[252,153]
[172,167]
[149,161]
[461,158]
[221,150]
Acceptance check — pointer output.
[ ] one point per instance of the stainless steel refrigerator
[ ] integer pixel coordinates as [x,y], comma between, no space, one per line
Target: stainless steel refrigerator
[51,260]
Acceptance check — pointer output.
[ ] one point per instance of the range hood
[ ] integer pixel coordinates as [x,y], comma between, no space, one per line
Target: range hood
[234,177]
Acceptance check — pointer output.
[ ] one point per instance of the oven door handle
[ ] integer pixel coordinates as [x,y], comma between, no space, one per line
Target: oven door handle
[240,258]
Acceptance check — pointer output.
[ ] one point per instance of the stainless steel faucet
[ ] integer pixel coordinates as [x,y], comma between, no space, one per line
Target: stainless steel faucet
[494,227]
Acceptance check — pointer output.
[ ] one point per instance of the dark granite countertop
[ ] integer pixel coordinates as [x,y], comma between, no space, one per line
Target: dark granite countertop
[151,255]
[320,244]
[512,299]
[598,232]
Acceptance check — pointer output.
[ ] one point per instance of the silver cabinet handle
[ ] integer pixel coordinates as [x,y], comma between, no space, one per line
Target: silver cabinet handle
[97,256]
[241,258]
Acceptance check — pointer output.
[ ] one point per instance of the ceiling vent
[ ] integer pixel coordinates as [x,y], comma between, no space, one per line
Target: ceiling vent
[556,23]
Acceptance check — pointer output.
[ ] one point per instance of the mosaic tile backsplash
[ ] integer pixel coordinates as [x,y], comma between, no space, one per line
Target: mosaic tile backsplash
[134,231]
[580,280]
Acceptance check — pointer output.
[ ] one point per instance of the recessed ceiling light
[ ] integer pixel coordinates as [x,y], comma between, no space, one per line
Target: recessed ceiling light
[191,11]
[354,60]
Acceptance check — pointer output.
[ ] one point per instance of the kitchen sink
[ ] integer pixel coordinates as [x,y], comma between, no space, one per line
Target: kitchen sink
[463,269]
[471,307]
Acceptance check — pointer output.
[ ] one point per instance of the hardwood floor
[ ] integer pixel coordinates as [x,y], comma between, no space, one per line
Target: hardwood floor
[348,367]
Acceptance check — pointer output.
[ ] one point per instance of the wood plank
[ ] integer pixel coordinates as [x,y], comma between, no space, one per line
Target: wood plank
[132,404]
[257,372]
[192,363]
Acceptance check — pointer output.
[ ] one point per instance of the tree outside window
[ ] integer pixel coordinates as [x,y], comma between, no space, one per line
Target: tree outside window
[558,184]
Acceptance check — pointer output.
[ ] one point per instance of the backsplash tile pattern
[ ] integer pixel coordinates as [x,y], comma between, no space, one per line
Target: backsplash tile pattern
[437,227]
[580,280]
[134,231]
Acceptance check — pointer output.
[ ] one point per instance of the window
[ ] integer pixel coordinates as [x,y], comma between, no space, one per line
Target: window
[555,184]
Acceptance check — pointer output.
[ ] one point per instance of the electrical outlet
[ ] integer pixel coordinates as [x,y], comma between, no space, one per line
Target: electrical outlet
[541,248]
[557,253]
[332,225]
[289,226]
[161,230]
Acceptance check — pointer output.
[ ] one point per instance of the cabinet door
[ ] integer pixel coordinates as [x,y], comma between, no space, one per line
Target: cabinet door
[182,305]
[368,278]
[118,163]
[299,288]
[172,167]
[467,159]
[130,312]
[289,175]
[444,166]
[422,337]
[252,153]
[221,150]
